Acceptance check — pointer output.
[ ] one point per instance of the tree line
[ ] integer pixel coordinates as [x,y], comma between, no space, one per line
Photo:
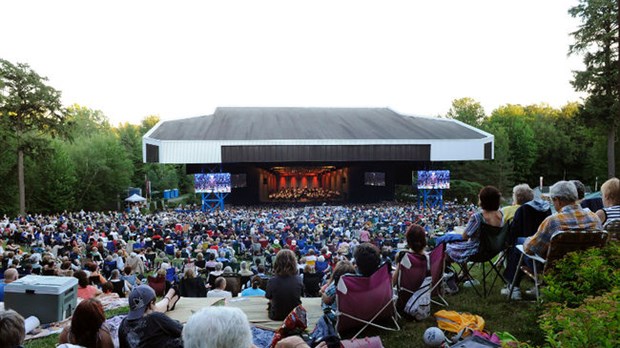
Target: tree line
[54,158]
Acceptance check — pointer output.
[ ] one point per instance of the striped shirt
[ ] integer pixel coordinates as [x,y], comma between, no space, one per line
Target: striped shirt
[570,217]
[612,213]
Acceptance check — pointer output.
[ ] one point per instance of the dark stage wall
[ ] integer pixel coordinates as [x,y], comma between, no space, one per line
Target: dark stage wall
[260,180]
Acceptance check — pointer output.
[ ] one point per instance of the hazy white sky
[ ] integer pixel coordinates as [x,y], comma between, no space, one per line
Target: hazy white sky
[177,59]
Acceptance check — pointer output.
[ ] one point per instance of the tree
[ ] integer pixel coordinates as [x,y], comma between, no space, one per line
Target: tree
[102,168]
[598,38]
[467,111]
[29,110]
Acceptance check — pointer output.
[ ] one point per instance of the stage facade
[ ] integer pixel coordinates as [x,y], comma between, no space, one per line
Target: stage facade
[313,154]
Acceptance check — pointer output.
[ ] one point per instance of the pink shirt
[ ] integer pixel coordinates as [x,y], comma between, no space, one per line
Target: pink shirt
[88,292]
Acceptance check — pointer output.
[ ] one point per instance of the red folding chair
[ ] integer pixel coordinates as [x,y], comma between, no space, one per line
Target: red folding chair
[365,301]
[413,270]
[438,260]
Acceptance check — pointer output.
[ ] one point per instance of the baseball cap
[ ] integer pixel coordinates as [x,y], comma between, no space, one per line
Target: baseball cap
[139,299]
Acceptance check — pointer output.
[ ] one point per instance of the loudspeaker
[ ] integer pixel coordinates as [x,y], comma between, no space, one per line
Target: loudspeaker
[264,181]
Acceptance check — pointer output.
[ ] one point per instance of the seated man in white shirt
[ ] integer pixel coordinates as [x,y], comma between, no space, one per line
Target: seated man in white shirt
[218,291]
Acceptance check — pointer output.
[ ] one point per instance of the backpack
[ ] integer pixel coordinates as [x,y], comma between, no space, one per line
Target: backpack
[419,304]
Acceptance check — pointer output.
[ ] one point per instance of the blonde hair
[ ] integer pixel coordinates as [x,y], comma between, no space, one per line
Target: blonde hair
[611,191]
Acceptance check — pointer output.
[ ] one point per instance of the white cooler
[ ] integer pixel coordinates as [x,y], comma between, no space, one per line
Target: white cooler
[48,298]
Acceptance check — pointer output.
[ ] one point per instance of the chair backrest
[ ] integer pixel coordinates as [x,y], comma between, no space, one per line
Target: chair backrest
[438,258]
[564,242]
[492,241]
[374,292]
[412,271]
[321,266]
[158,284]
[192,287]
[613,228]
[171,274]
[233,283]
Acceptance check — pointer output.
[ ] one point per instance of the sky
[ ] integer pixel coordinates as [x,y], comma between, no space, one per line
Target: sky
[176,59]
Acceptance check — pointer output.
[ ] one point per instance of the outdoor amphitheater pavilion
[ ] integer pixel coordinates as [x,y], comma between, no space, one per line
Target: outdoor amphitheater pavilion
[361,153]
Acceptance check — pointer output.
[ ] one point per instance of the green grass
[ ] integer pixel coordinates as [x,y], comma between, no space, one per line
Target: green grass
[517,317]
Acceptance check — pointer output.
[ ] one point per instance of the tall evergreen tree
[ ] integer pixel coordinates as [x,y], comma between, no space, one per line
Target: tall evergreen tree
[597,39]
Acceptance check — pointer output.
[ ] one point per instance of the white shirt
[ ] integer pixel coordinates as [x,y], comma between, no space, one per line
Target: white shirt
[219,293]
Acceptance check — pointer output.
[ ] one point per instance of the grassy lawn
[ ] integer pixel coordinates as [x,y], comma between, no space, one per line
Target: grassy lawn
[519,318]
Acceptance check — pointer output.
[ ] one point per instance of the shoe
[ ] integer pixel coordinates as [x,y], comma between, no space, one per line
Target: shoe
[532,291]
[505,291]
[516,294]
[471,283]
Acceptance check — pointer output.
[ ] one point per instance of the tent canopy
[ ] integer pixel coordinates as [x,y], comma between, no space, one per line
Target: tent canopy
[135,198]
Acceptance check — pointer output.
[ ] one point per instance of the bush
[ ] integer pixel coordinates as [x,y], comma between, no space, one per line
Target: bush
[595,323]
[579,275]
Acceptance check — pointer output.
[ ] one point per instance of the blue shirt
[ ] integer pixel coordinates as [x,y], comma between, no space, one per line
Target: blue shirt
[253,292]
[2,284]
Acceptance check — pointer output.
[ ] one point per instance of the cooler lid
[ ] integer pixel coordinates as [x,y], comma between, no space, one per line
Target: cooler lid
[46,285]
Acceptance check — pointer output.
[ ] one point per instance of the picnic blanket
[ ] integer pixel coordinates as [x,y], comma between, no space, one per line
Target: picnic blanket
[254,307]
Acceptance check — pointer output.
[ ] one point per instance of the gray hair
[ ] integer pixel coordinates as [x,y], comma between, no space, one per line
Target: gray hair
[12,328]
[218,326]
[522,194]
[564,191]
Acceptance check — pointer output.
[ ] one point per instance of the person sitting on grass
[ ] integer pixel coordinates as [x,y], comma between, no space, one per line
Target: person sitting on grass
[87,327]
[12,329]
[285,288]
[367,259]
[254,290]
[146,325]
[85,290]
[218,291]
[221,327]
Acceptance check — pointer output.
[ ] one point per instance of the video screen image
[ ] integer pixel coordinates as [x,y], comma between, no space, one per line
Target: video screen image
[212,183]
[239,180]
[374,178]
[433,179]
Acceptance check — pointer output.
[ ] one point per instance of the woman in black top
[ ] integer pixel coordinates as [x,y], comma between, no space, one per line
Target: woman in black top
[284,289]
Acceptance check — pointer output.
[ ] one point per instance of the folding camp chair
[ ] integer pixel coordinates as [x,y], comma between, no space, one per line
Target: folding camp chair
[492,243]
[438,260]
[171,275]
[376,296]
[157,284]
[613,228]
[233,283]
[560,244]
[413,269]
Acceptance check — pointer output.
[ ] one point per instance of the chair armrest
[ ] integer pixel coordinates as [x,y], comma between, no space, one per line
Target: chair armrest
[533,257]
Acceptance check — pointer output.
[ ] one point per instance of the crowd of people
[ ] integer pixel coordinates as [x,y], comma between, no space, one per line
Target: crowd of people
[298,194]
[281,254]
